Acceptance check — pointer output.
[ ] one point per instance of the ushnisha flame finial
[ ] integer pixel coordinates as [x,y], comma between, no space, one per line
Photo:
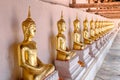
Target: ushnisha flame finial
[29,19]
[92,18]
[61,21]
[29,13]
[62,14]
[76,15]
[76,20]
[86,17]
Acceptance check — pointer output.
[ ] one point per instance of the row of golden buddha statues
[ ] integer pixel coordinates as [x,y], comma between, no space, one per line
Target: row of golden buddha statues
[33,68]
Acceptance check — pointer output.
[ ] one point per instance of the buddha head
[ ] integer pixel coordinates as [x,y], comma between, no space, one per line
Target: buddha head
[85,23]
[96,23]
[100,24]
[76,23]
[29,27]
[61,24]
[91,24]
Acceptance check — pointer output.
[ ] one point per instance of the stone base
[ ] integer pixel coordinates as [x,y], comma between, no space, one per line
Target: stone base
[94,67]
[111,34]
[106,37]
[52,76]
[69,70]
[88,60]
[102,42]
[93,49]
[84,56]
[98,44]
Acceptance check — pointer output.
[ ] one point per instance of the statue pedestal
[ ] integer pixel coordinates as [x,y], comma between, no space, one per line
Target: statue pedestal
[98,44]
[105,38]
[84,56]
[95,66]
[102,41]
[111,34]
[52,76]
[93,49]
[69,70]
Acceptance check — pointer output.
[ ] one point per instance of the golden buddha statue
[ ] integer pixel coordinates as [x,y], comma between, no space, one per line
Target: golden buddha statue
[92,30]
[62,51]
[33,68]
[105,27]
[77,44]
[87,39]
[99,29]
[96,29]
[102,28]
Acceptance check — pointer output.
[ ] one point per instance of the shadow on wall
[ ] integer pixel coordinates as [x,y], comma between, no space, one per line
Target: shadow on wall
[70,33]
[13,56]
[52,41]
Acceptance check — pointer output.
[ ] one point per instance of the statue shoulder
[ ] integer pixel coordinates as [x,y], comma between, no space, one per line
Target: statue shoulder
[33,42]
[21,45]
[76,32]
[31,45]
[61,36]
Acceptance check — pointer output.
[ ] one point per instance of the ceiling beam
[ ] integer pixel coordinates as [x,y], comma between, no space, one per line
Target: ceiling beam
[95,5]
[73,1]
[108,12]
[114,16]
[103,10]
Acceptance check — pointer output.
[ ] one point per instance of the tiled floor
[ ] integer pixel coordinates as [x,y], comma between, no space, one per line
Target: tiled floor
[110,69]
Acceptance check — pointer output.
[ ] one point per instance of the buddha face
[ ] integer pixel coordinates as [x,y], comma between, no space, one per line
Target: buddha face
[62,27]
[91,24]
[77,26]
[96,24]
[29,29]
[32,30]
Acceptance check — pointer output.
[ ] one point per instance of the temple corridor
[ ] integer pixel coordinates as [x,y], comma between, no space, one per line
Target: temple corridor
[110,69]
[59,40]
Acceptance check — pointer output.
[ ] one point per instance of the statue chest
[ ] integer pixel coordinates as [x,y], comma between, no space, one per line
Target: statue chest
[32,57]
[62,43]
[86,34]
[77,37]
[92,32]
